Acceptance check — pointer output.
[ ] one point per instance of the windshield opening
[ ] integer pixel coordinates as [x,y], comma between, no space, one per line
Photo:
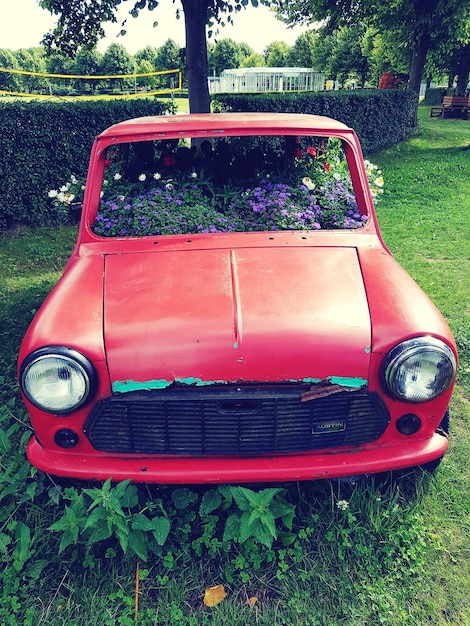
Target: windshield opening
[226,184]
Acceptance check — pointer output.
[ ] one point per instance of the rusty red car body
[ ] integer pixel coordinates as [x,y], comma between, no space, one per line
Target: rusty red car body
[235,356]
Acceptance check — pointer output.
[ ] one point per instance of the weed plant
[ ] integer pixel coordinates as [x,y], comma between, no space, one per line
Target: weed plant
[387,550]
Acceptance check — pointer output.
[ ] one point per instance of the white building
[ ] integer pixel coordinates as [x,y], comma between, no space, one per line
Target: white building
[264,79]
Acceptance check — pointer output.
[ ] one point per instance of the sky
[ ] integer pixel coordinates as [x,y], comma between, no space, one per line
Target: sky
[23,24]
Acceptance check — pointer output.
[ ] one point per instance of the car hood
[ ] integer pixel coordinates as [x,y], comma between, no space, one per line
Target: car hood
[246,314]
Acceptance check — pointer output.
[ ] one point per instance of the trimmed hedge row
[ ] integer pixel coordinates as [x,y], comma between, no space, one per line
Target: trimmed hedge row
[43,143]
[380,117]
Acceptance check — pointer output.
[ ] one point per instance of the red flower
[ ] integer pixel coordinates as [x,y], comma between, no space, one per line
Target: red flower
[327,166]
[107,163]
[298,153]
[169,160]
[312,152]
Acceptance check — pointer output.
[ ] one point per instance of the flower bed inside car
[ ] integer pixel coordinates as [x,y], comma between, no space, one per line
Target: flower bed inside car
[230,185]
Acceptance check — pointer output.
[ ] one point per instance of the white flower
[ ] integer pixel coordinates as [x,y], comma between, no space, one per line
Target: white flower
[157,176]
[53,193]
[64,188]
[342,505]
[379,181]
[142,177]
[73,179]
[65,198]
[337,176]
[193,175]
[308,183]
[168,186]
[117,176]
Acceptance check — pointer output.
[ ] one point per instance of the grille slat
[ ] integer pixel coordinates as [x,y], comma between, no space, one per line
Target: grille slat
[233,421]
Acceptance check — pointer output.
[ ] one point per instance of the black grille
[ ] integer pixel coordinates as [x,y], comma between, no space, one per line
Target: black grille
[233,421]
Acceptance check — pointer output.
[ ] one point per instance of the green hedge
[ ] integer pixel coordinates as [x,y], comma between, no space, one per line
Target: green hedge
[433,97]
[43,143]
[380,117]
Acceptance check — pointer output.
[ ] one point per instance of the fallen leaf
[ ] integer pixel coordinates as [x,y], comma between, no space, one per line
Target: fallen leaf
[252,600]
[214,595]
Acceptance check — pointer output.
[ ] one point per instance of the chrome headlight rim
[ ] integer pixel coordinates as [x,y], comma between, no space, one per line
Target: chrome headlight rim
[412,348]
[71,358]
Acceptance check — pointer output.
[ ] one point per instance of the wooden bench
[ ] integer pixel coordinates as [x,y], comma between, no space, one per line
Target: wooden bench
[458,106]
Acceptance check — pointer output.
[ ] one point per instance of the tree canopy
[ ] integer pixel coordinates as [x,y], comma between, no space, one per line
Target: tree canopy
[419,25]
[80,24]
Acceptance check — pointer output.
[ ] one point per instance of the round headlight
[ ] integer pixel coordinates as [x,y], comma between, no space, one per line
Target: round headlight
[57,380]
[420,369]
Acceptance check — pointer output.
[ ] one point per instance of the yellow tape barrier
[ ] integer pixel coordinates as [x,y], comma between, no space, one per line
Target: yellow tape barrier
[83,77]
[44,74]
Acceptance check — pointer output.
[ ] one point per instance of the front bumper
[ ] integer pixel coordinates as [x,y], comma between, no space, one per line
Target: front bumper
[370,459]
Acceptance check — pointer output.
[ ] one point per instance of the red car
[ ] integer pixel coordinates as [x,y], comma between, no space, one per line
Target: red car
[231,313]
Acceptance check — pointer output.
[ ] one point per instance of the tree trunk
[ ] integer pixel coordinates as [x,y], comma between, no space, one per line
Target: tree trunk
[195,19]
[463,71]
[420,51]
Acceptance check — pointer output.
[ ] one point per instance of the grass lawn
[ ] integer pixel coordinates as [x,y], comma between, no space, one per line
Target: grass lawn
[393,552]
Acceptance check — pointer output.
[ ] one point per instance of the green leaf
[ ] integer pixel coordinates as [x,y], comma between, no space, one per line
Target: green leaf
[245,529]
[100,533]
[22,550]
[161,529]
[287,539]
[141,522]
[288,518]
[5,444]
[252,497]
[5,540]
[183,497]
[96,517]
[138,543]
[123,538]
[262,534]
[130,497]
[240,498]
[267,495]
[267,520]
[54,494]
[119,490]
[232,528]
[211,501]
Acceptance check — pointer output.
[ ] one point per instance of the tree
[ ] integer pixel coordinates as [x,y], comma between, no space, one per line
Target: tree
[32,60]
[277,54]
[254,60]
[87,63]
[9,82]
[169,58]
[348,60]
[81,24]
[116,60]
[224,55]
[419,25]
[301,53]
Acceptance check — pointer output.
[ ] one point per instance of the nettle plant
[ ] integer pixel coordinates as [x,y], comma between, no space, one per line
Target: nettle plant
[234,184]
